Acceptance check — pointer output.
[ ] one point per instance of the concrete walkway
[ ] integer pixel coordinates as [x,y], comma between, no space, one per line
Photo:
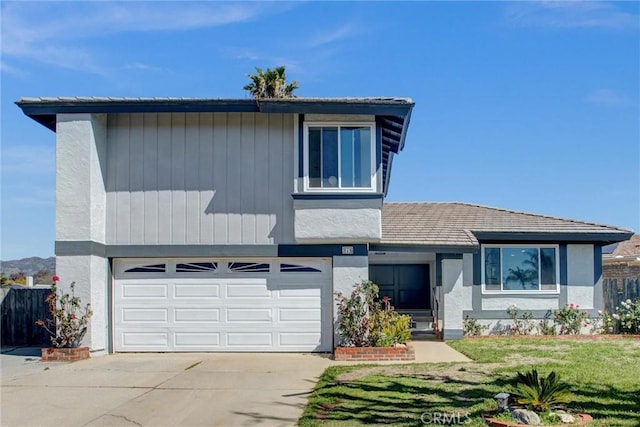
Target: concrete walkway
[168,389]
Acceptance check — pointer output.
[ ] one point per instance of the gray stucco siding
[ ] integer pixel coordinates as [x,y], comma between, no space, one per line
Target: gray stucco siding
[199,178]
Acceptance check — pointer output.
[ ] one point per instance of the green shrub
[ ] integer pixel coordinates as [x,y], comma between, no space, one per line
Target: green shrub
[354,315]
[366,321]
[628,316]
[471,327]
[69,318]
[545,328]
[570,319]
[397,330]
[520,326]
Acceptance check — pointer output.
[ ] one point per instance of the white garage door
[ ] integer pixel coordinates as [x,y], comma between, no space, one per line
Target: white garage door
[222,305]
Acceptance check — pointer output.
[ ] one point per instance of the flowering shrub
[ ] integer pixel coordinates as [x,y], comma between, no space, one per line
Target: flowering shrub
[628,316]
[523,326]
[364,321]
[570,319]
[70,319]
[605,323]
[544,327]
[471,327]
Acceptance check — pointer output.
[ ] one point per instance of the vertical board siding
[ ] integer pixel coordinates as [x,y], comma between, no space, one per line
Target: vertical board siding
[123,198]
[163,173]
[233,190]
[200,178]
[205,177]
[192,179]
[220,155]
[136,178]
[178,172]
[150,180]
[261,198]
[248,181]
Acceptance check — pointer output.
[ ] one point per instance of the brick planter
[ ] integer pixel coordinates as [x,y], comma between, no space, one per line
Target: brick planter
[53,354]
[372,354]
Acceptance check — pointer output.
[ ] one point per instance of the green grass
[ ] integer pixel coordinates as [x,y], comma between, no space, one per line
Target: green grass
[604,377]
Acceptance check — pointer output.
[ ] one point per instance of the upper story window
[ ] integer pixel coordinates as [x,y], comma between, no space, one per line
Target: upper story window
[518,268]
[339,156]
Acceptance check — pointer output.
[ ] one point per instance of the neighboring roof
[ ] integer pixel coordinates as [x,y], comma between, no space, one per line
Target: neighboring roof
[463,225]
[629,249]
[392,114]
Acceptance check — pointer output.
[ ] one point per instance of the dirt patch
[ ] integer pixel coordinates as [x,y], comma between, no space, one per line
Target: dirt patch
[458,372]
[323,410]
[634,344]
[356,374]
[543,347]
[518,359]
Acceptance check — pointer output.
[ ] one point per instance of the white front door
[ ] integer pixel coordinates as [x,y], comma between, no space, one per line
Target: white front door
[222,305]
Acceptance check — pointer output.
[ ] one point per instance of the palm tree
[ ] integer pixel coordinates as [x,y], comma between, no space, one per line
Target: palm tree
[521,275]
[271,83]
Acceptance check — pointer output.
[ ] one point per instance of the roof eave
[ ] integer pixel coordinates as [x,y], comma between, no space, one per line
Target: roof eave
[422,247]
[602,238]
[45,111]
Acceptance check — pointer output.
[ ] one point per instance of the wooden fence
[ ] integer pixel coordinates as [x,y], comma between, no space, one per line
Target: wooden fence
[20,308]
[619,289]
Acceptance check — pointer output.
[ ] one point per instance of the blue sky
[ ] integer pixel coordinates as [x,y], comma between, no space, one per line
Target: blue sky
[529,106]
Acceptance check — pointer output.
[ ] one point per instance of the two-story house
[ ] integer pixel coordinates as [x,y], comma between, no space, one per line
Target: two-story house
[228,225]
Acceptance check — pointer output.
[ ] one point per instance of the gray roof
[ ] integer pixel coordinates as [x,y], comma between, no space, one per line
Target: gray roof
[463,225]
[370,99]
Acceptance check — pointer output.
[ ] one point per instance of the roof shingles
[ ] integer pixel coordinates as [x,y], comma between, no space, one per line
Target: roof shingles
[457,224]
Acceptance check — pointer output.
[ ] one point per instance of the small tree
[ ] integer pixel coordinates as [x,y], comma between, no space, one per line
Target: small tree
[270,84]
[19,278]
[69,318]
[42,276]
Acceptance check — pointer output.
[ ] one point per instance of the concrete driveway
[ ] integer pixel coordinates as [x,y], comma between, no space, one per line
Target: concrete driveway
[168,389]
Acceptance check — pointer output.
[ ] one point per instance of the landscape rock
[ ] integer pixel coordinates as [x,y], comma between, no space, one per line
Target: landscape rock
[564,417]
[524,416]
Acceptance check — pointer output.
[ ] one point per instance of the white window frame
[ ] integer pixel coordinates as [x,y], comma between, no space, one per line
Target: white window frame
[502,291]
[374,149]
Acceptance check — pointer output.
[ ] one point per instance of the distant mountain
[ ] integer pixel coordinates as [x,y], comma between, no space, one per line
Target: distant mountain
[28,266]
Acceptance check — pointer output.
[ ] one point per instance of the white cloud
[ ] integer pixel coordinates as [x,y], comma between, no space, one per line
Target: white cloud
[28,201]
[308,55]
[570,14]
[52,32]
[8,69]
[607,98]
[329,36]
[26,160]
[145,67]
[291,64]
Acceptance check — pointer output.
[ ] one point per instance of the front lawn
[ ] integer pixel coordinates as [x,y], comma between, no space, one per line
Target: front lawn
[604,376]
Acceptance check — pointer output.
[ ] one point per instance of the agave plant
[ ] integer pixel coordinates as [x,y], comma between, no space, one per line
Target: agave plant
[539,393]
